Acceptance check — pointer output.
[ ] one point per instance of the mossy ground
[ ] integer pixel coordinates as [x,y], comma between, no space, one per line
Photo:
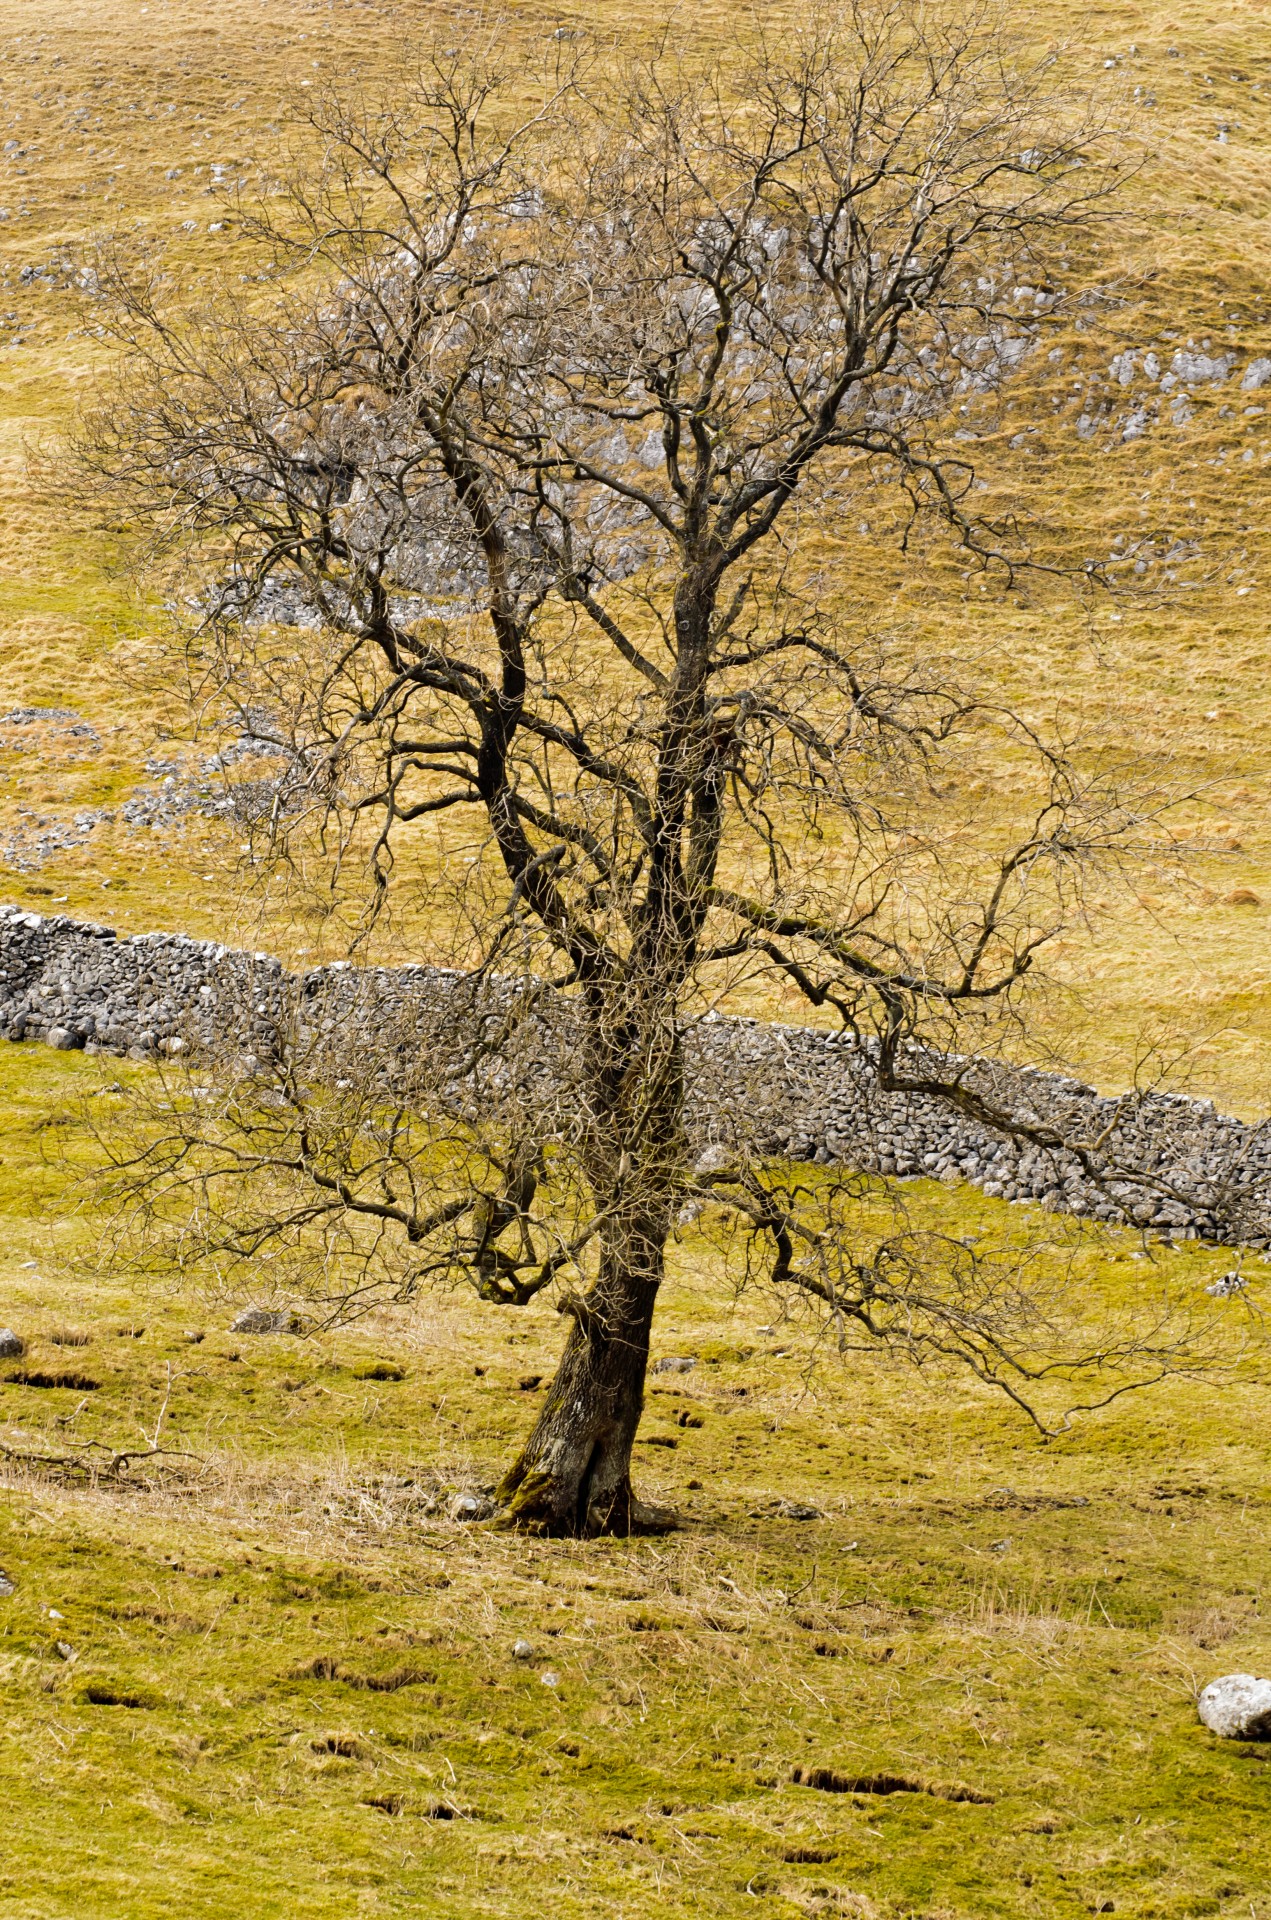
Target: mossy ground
[971,1609]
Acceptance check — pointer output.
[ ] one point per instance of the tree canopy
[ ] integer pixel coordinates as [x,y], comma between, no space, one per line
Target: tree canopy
[514,498]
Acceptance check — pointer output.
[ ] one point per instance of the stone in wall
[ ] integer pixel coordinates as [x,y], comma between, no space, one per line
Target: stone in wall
[1159,1160]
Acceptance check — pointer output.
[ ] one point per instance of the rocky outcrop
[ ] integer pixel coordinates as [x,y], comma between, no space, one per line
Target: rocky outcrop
[1159,1160]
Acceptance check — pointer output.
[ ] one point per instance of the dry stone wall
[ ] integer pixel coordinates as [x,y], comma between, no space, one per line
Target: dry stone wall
[1161,1160]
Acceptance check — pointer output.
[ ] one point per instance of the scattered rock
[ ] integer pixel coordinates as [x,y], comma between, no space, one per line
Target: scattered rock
[63,1039]
[12,1345]
[549,1679]
[66,1651]
[1226,1285]
[1257,374]
[29,716]
[266,1320]
[522,1650]
[673,1363]
[471,1506]
[1194,369]
[796,1510]
[7,1585]
[1237,1707]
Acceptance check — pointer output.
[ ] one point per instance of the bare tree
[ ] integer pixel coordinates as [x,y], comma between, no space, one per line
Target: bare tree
[515,499]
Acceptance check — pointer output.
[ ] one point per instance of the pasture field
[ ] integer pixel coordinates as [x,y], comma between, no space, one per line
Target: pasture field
[267,1672]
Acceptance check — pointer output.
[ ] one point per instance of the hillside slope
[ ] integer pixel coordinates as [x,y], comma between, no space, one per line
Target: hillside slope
[1143,425]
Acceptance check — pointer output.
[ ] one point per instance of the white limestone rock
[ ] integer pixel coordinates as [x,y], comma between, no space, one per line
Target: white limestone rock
[1237,1707]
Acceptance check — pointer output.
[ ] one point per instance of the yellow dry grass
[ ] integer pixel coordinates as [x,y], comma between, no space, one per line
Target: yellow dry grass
[130,113]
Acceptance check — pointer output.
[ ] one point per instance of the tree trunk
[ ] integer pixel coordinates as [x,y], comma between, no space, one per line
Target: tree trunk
[574,1473]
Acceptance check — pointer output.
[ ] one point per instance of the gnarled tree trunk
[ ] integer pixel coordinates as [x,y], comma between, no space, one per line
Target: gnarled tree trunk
[574,1473]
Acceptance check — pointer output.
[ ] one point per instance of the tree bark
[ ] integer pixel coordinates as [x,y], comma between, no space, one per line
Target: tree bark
[574,1474]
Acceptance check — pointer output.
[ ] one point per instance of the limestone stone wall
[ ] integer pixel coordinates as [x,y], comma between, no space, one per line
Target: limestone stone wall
[1162,1160]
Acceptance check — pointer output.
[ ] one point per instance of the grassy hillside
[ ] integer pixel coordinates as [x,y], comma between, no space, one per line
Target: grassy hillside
[268,1672]
[131,115]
